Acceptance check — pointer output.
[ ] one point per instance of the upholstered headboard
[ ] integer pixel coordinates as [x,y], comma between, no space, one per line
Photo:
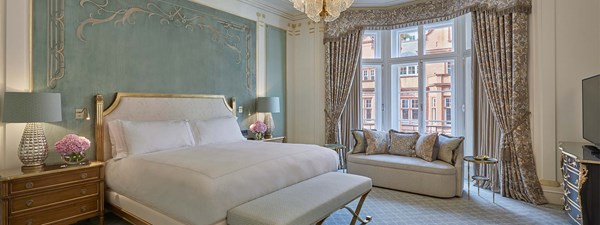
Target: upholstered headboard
[155,107]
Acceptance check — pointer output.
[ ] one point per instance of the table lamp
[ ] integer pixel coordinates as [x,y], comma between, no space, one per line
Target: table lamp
[32,108]
[268,105]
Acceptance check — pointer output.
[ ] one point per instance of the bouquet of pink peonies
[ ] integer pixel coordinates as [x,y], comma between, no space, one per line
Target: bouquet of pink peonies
[258,127]
[72,143]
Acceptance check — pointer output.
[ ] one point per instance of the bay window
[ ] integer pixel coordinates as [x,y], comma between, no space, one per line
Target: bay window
[417,77]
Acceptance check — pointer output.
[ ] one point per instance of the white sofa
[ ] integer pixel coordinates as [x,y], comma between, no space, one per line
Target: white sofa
[411,174]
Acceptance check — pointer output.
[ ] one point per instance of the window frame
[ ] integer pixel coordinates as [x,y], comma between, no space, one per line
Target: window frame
[388,111]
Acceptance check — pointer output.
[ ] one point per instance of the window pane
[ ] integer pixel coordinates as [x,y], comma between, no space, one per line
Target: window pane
[438,96]
[438,38]
[408,96]
[405,42]
[468,30]
[369,95]
[371,45]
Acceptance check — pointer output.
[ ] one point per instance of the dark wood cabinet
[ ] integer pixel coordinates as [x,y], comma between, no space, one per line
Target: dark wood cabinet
[580,167]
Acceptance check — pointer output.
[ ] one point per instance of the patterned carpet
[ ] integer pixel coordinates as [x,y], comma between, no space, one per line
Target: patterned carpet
[395,207]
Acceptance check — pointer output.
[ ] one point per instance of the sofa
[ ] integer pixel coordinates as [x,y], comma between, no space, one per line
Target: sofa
[410,173]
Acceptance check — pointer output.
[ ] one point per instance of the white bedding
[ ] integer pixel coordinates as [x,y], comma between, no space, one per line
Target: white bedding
[198,185]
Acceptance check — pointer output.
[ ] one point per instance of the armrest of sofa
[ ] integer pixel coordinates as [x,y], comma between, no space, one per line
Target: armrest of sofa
[459,164]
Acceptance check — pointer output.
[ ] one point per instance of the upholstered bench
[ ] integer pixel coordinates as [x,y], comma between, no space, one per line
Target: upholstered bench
[307,202]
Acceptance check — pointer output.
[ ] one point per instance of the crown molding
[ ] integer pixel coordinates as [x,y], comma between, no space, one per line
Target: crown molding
[286,12]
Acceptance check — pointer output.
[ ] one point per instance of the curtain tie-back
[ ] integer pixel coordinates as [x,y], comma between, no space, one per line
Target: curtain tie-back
[523,119]
[506,154]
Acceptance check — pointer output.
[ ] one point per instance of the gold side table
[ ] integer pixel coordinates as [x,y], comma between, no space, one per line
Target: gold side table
[488,161]
[341,151]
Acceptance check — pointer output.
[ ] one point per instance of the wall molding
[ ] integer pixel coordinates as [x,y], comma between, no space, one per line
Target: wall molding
[176,16]
[55,63]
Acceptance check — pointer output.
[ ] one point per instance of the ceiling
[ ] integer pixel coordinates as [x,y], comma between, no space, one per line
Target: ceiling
[285,9]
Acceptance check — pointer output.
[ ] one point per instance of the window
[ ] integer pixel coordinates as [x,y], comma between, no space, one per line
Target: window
[404,103]
[369,90]
[415,69]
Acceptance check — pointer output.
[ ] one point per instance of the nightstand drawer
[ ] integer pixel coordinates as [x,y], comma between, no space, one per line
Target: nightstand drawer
[27,203]
[50,180]
[53,215]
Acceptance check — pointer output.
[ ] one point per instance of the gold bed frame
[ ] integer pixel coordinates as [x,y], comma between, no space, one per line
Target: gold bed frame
[101,113]
[99,129]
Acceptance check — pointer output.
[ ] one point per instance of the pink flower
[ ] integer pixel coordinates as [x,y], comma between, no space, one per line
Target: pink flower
[258,127]
[72,143]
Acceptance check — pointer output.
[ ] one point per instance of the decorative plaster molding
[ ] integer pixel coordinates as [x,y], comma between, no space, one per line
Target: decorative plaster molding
[277,10]
[294,29]
[55,62]
[176,16]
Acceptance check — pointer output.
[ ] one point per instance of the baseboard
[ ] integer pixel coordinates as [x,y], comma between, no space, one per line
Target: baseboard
[554,194]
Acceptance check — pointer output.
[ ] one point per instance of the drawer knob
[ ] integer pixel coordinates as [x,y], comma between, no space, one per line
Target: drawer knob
[579,217]
[567,207]
[567,176]
[83,191]
[29,185]
[29,203]
[83,209]
[84,175]
[29,222]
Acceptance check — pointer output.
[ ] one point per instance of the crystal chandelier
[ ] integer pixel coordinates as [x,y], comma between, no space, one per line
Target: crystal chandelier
[329,10]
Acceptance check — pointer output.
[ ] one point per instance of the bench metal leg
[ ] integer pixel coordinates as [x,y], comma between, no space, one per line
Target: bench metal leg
[355,215]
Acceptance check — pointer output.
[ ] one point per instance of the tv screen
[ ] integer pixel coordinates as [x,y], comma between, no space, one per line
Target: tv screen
[591,109]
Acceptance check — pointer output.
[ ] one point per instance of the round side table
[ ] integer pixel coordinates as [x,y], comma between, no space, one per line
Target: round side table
[490,161]
[341,151]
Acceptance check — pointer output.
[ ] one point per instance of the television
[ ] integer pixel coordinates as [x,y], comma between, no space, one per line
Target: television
[591,109]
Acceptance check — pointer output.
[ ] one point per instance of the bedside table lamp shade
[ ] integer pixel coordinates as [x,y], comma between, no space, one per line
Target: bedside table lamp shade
[268,105]
[32,108]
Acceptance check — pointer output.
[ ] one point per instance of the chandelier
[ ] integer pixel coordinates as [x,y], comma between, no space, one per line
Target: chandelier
[329,10]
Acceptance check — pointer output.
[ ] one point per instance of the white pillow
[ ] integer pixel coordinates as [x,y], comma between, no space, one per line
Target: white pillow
[117,141]
[218,130]
[152,136]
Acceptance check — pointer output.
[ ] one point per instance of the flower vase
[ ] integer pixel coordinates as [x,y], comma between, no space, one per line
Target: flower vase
[75,158]
[258,136]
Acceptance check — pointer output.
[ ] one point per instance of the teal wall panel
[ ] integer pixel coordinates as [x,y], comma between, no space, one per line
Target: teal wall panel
[276,73]
[155,46]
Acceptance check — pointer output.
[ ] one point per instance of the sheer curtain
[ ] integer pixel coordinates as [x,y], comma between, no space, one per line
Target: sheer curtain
[351,116]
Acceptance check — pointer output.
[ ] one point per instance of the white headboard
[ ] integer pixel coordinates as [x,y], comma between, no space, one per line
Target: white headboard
[154,107]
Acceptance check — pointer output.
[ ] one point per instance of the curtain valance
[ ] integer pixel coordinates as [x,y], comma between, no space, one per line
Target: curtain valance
[416,13]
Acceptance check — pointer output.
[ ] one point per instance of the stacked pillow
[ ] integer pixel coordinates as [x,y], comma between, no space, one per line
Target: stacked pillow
[429,147]
[140,137]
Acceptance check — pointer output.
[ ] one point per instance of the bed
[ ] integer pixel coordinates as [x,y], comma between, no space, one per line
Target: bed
[194,184]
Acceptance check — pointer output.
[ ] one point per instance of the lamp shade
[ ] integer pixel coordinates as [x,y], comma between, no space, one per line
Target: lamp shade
[267,104]
[26,107]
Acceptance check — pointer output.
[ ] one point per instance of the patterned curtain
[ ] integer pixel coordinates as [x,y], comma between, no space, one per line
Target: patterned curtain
[501,46]
[351,116]
[342,62]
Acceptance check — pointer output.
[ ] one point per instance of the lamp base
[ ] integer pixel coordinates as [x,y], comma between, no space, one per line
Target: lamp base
[270,125]
[33,149]
[32,169]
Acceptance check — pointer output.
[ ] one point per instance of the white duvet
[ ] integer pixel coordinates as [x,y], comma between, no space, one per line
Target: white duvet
[198,185]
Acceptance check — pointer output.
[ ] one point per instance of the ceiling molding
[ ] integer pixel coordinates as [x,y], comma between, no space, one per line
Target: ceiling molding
[287,12]
[285,9]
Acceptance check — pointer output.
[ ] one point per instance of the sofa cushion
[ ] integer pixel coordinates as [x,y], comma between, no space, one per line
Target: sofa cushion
[447,146]
[360,142]
[426,147]
[403,163]
[377,142]
[403,143]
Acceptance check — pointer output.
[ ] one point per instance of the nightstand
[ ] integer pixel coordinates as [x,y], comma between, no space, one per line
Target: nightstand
[55,194]
[273,139]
